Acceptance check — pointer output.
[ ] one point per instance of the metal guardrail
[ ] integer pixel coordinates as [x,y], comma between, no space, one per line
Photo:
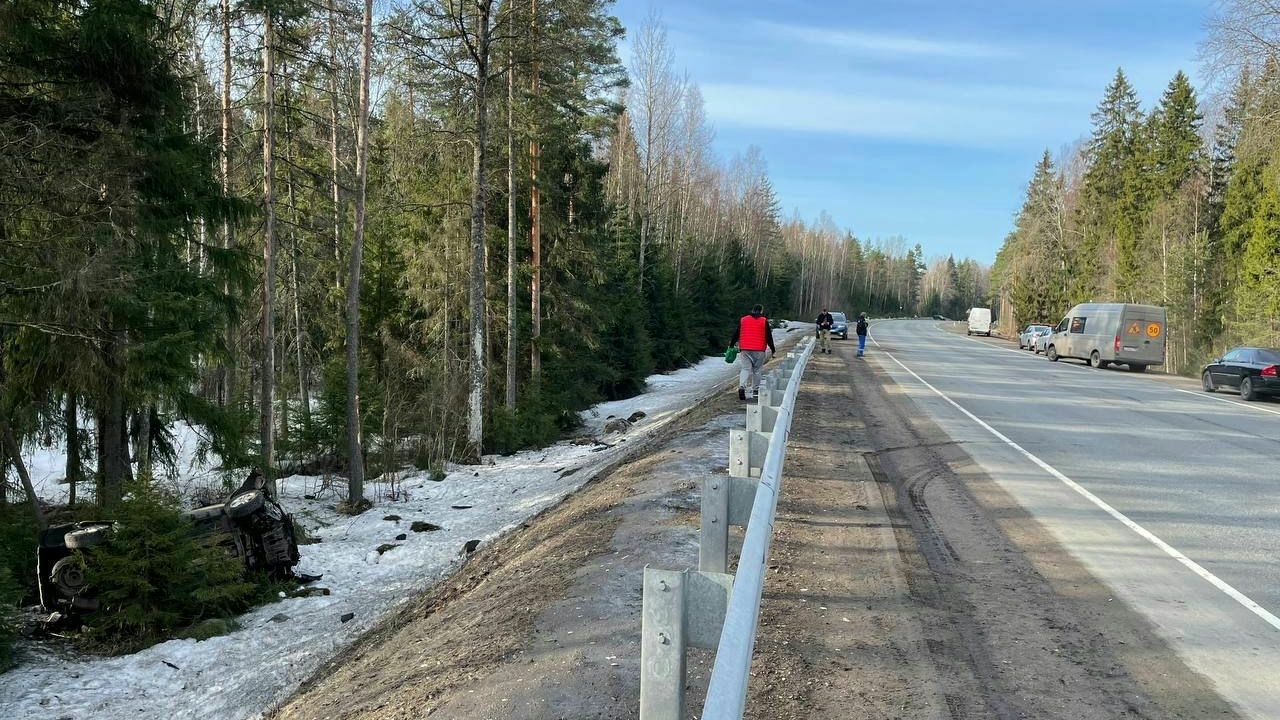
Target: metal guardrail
[707,608]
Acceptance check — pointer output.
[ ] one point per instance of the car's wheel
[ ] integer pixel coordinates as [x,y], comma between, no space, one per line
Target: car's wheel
[1095,360]
[68,576]
[1246,390]
[1135,367]
[1052,353]
[1206,381]
[87,537]
[245,504]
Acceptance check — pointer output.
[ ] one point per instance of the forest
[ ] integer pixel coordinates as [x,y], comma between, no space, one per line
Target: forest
[1174,206]
[341,236]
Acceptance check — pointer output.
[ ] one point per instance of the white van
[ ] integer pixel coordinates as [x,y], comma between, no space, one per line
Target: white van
[1105,333]
[980,321]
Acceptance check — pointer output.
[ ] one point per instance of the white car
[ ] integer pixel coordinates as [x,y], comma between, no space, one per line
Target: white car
[1027,338]
[1041,344]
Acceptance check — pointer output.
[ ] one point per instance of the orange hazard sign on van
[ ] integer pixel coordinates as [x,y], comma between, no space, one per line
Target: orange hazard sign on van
[1153,330]
[1135,328]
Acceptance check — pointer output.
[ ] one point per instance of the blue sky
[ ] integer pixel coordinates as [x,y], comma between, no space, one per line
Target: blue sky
[921,118]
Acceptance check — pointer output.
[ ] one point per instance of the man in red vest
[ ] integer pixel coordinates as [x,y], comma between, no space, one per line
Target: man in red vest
[752,337]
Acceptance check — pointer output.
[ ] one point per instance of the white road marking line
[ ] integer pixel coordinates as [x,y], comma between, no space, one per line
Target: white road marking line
[1168,549]
[1206,396]
[1201,395]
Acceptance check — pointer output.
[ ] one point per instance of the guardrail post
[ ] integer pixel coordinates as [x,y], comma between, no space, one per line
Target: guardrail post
[761,418]
[679,610]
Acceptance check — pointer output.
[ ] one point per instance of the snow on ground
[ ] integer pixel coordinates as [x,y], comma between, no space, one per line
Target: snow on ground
[243,674]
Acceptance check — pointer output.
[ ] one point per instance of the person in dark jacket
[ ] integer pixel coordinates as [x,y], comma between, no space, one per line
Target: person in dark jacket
[824,323]
[753,337]
[862,333]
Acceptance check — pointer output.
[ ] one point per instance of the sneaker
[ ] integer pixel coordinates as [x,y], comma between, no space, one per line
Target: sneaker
[742,393]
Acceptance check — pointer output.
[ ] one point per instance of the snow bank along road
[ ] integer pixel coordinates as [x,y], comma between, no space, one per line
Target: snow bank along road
[1169,496]
[241,675]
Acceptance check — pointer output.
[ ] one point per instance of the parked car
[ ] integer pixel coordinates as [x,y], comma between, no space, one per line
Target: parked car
[1041,344]
[250,525]
[980,322]
[840,325]
[1252,371]
[1027,339]
[941,318]
[1105,333]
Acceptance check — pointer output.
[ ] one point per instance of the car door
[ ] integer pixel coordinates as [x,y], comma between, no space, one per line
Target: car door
[1228,372]
[1077,339]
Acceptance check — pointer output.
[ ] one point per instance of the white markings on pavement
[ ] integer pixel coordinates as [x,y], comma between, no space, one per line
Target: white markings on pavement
[1206,396]
[1168,549]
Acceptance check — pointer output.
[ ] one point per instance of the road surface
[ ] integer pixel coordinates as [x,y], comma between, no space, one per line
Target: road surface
[1169,496]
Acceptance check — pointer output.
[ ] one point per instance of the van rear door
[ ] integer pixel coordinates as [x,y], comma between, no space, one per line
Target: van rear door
[1142,336]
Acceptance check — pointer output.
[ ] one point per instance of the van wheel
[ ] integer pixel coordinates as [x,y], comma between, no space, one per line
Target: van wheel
[1095,360]
[1052,354]
[1207,382]
[1246,390]
[1134,367]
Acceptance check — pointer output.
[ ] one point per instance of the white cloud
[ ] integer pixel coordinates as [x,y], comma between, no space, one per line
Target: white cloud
[886,44]
[952,115]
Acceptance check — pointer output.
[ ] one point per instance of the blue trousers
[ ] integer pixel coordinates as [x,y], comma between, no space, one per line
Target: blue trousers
[862,344]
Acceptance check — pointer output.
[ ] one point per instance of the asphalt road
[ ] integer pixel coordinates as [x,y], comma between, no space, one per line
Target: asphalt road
[1170,496]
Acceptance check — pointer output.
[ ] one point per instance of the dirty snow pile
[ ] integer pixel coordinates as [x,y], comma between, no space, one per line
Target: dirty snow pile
[276,647]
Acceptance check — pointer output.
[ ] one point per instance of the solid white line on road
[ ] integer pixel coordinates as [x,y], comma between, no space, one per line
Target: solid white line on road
[1171,551]
[1205,396]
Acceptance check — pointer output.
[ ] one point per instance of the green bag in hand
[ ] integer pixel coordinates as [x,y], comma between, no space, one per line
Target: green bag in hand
[730,354]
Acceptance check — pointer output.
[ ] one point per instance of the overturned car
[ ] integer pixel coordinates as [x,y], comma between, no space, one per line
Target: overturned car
[250,525]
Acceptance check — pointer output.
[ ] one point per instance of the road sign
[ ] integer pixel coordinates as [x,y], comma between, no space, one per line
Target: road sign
[1135,329]
[1153,330]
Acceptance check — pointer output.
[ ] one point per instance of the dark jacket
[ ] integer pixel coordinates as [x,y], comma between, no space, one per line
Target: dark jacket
[862,326]
[824,321]
[768,333]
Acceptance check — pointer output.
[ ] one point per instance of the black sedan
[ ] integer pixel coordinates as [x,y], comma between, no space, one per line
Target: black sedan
[1250,370]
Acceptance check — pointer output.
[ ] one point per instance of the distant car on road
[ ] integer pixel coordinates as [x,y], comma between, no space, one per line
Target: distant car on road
[1111,333]
[1027,339]
[1252,371]
[840,325]
[980,322]
[941,318]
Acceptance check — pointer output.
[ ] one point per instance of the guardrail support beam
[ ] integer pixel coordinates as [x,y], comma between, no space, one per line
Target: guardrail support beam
[726,501]
[679,610]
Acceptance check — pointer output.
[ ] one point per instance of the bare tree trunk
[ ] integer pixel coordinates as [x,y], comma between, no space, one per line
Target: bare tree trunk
[295,284]
[304,389]
[113,440]
[334,187]
[479,274]
[535,213]
[267,392]
[144,443]
[15,456]
[513,347]
[74,469]
[226,376]
[355,453]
